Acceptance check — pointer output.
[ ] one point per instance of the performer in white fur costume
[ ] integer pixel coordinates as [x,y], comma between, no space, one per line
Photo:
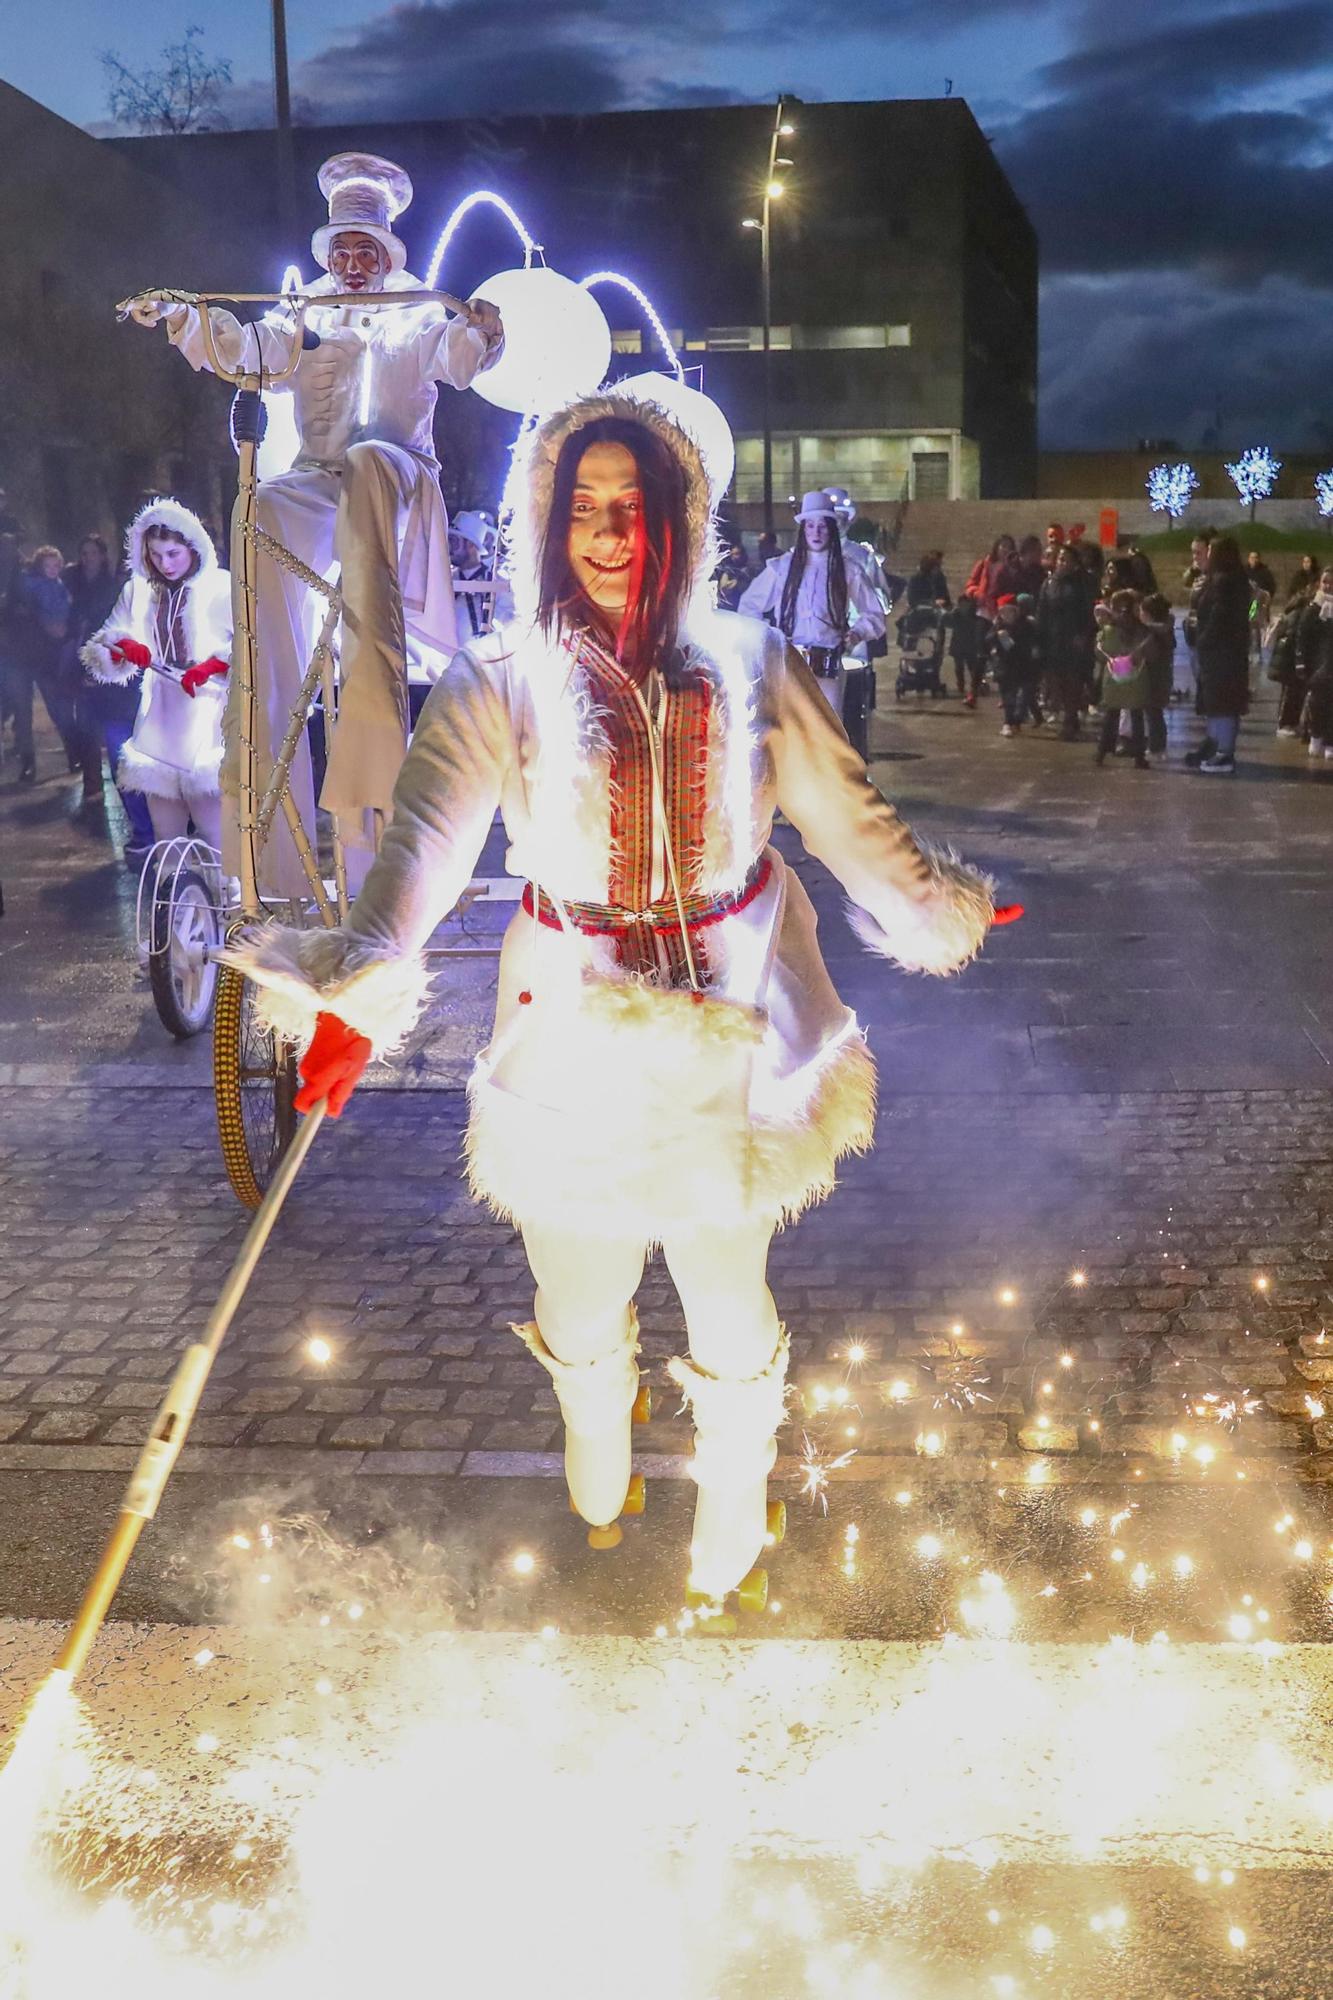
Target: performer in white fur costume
[823,602]
[364,491]
[173,621]
[670,1062]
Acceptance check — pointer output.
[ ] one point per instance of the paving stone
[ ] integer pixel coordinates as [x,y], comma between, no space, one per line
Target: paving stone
[65,1427]
[435,1434]
[361,1433]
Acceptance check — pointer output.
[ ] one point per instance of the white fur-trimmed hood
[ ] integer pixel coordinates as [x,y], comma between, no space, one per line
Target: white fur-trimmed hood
[530,487]
[167,513]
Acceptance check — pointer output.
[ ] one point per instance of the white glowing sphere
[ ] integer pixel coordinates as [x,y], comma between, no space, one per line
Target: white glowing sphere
[698,416]
[557,341]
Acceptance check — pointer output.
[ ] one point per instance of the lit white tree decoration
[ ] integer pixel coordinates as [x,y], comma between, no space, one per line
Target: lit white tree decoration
[1171,488]
[1254,474]
[1323,493]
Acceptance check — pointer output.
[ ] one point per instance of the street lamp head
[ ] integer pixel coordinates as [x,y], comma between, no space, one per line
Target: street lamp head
[752,222]
[774,189]
[786,131]
[780,162]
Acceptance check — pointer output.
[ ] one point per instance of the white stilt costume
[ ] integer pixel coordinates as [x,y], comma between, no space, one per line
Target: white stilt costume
[363,492]
[180,635]
[670,1063]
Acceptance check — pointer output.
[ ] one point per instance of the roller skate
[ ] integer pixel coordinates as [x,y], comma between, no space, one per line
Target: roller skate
[599,1400]
[734,1521]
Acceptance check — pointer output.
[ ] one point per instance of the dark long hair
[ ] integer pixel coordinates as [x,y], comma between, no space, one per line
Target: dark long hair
[652,632]
[1224,557]
[836,604]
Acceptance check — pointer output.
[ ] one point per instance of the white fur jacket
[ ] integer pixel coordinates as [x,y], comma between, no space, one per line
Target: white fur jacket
[176,746]
[514,724]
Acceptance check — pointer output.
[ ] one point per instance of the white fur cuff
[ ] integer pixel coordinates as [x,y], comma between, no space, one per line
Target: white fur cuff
[95,655]
[942,933]
[301,974]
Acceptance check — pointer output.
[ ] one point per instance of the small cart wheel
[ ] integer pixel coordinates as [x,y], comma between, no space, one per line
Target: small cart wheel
[181,971]
[254,1088]
[752,1590]
[775,1525]
[636,1499]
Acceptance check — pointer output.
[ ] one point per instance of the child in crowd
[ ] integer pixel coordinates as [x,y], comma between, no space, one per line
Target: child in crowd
[965,634]
[1122,646]
[1158,660]
[1010,651]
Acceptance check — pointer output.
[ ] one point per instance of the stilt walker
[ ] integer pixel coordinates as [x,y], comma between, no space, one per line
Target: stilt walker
[670,1064]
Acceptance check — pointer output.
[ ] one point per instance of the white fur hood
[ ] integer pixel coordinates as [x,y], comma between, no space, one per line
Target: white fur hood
[167,513]
[530,488]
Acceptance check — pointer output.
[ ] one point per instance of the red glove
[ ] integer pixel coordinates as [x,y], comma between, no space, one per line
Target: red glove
[194,677]
[331,1067]
[1007,913]
[131,651]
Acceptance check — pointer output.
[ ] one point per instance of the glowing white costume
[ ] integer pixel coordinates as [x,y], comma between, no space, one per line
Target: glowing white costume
[363,492]
[175,750]
[615,1107]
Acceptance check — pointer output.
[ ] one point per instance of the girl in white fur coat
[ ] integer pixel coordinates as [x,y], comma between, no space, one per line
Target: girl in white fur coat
[173,620]
[670,1063]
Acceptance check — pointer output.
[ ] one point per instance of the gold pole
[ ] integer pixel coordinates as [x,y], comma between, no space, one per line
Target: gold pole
[139,1502]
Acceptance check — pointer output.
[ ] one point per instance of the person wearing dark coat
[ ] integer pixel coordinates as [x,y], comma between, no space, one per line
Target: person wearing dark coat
[1159,654]
[39,621]
[1222,645]
[1314,647]
[1010,651]
[967,628]
[1066,635]
[927,584]
[105,712]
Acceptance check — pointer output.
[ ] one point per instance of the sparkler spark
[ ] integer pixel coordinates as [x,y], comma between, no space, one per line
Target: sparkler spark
[957,1377]
[817,1467]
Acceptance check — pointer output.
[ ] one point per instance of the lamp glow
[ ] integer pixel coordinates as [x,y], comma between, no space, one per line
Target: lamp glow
[460,215]
[557,341]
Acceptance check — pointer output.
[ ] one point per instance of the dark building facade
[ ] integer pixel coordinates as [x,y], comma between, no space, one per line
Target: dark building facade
[95,415]
[904,271]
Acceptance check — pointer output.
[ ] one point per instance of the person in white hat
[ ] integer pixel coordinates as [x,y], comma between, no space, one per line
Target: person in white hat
[472,546]
[823,604]
[363,492]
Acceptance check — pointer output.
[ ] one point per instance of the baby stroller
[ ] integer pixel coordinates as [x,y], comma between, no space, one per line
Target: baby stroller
[921,637]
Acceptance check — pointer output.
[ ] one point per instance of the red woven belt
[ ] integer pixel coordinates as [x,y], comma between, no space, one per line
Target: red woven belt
[607,919]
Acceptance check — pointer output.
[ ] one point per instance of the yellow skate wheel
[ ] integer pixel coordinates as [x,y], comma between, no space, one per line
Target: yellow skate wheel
[752,1590]
[723,1626]
[777,1521]
[699,1600]
[636,1498]
[642,1413]
[605,1538]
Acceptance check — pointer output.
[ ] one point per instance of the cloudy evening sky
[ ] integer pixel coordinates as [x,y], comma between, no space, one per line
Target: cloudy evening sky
[1175,155]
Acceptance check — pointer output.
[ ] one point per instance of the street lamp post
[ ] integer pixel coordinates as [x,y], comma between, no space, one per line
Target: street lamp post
[773,191]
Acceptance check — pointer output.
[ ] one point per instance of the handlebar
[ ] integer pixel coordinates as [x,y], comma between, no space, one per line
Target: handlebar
[300,303]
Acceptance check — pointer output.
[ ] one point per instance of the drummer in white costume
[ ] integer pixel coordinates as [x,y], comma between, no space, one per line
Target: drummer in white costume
[823,605]
[363,492]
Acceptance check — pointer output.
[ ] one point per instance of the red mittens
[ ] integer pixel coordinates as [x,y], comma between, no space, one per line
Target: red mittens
[131,652]
[1007,913]
[331,1067]
[194,677]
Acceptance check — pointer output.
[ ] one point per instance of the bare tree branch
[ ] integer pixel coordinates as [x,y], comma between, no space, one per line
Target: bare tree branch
[182,95]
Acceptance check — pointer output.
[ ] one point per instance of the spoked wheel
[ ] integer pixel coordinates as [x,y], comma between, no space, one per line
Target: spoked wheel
[181,971]
[254,1085]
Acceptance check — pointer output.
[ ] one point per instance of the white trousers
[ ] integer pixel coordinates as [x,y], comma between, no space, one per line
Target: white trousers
[586,1282]
[171,817]
[356,518]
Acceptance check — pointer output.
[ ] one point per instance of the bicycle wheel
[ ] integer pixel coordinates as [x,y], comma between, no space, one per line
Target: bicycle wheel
[254,1087]
[181,971]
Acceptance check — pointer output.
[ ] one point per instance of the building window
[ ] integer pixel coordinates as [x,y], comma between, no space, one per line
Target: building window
[628,342]
[812,337]
[744,339]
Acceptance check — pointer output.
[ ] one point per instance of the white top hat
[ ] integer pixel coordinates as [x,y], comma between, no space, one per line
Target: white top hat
[474,528]
[842,503]
[364,194]
[815,506]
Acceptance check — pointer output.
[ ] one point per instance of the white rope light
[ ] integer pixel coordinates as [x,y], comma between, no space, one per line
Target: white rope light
[645,305]
[463,210]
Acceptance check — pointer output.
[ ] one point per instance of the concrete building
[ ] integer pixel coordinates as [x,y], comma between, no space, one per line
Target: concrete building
[94,415]
[904,272]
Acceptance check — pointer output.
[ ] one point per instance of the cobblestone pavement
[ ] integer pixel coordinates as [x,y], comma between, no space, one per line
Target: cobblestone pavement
[1133,1084]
